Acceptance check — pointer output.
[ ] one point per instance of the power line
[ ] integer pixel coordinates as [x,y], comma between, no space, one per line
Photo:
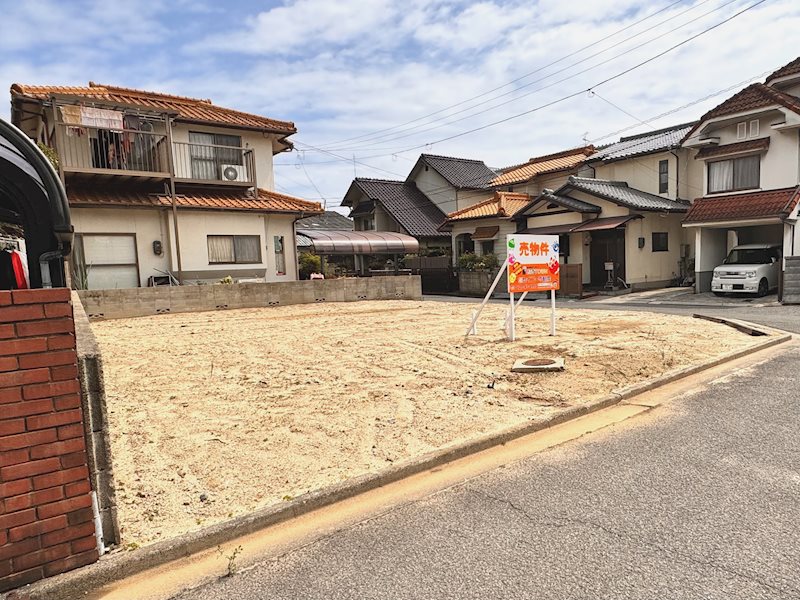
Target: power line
[598,84]
[513,81]
[737,85]
[311,181]
[552,84]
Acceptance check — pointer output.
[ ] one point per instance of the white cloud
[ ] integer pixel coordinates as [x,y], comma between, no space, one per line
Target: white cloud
[344,69]
[306,24]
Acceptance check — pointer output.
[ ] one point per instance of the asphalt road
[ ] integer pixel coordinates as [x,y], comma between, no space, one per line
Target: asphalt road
[698,499]
[781,317]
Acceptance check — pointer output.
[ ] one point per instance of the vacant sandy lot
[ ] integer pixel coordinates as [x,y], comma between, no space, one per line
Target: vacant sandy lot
[216,414]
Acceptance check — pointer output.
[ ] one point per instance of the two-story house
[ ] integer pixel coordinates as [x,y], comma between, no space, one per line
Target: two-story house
[418,206]
[451,183]
[621,220]
[748,151]
[164,186]
[481,227]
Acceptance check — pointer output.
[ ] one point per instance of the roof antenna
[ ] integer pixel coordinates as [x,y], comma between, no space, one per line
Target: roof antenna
[585,138]
[354,165]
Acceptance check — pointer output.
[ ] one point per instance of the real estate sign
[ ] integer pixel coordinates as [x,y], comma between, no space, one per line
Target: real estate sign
[532,263]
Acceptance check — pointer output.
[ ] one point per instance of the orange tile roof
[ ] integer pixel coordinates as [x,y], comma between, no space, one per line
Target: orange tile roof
[187,109]
[502,204]
[757,205]
[544,164]
[267,201]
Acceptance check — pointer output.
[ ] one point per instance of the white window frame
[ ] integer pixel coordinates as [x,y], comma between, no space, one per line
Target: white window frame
[754,128]
[741,131]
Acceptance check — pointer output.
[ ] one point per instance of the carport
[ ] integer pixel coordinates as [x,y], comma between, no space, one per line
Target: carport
[34,204]
[720,223]
[359,244]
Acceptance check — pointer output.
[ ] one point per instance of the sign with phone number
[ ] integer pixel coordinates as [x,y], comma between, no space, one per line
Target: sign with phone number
[533,263]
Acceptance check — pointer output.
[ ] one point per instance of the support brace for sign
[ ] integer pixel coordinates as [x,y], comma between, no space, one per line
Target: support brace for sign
[477,313]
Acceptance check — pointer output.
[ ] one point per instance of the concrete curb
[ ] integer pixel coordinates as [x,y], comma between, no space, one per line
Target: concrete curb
[122,565]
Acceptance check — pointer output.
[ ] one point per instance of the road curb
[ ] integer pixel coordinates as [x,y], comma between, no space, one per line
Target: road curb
[122,565]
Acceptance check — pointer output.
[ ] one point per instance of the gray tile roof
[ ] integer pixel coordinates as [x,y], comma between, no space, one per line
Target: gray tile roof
[620,193]
[406,203]
[329,220]
[568,202]
[461,172]
[643,143]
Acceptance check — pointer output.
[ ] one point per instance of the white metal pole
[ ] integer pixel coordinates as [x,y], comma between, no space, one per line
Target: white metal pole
[511,331]
[552,312]
[521,298]
[475,315]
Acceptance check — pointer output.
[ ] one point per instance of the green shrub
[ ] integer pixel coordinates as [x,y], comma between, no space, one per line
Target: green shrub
[309,263]
[473,262]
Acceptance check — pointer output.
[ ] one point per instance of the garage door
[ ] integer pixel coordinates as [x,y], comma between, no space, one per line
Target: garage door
[110,261]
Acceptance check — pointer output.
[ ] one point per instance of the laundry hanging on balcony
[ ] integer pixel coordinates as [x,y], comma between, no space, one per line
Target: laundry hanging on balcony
[70,115]
[102,118]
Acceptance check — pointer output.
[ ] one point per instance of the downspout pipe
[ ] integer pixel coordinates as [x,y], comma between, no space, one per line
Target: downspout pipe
[677,174]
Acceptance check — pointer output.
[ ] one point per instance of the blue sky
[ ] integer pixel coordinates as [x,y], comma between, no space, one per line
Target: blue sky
[344,70]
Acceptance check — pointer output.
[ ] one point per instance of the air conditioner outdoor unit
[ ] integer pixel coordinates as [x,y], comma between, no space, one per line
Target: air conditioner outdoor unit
[232,173]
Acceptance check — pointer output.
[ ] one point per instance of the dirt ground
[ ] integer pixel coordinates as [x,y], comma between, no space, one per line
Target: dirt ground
[216,414]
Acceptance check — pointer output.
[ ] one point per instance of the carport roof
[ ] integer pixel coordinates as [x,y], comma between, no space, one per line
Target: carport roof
[741,207]
[358,242]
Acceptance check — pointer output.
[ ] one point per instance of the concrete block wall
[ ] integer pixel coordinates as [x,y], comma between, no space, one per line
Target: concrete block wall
[791,280]
[46,516]
[96,427]
[139,302]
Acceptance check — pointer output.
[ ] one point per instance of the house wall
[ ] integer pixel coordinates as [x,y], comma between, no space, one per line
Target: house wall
[506,226]
[439,190]
[262,144]
[780,165]
[196,226]
[46,517]
[535,186]
[543,219]
[642,173]
[149,225]
[643,267]
[386,222]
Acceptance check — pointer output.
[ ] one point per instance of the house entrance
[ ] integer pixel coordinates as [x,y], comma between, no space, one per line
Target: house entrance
[607,246]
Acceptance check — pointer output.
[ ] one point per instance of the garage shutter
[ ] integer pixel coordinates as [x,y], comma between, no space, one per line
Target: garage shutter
[110,261]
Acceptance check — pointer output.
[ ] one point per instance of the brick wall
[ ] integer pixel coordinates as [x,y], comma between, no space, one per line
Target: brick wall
[46,522]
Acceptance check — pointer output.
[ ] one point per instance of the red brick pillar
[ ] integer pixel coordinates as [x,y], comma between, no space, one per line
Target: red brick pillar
[46,520]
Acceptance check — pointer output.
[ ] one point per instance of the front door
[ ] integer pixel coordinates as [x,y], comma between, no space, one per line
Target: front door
[607,247]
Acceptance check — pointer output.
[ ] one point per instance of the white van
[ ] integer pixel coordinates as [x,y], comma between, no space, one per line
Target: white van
[748,269]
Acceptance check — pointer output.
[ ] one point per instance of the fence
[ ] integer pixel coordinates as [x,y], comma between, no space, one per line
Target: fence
[46,517]
[138,302]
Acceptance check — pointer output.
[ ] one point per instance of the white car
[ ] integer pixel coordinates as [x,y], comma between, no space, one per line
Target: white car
[749,268]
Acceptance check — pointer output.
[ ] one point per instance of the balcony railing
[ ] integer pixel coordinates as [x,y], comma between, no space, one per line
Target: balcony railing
[208,163]
[95,150]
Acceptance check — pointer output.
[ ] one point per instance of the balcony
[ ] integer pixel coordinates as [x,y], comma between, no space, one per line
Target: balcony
[213,164]
[92,152]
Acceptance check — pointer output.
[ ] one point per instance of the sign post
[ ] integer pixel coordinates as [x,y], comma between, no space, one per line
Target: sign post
[533,266]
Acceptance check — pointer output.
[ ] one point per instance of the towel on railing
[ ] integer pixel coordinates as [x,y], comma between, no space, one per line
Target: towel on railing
[71,115]
[101,117]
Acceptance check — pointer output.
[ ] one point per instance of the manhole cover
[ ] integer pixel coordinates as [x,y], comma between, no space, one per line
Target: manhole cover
[539,362]
[532,365]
